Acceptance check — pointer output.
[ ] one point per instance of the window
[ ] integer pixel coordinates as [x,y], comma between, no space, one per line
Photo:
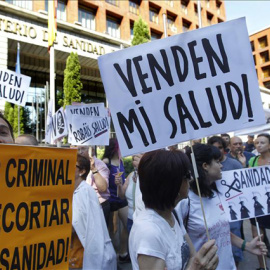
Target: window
[92,91]
[169,3]
[264,57]
[87,18]
[171,23]
[23,3]
[209,18]
[263,42]
[113,2]
[155,36]
[61,9]
[252,46]
[184,6]
[267,85]
[266,72]
[254,59]
[196,10]
[153,15]
[113,27]
[218,5]
[186,25]
[134,7]
[131,30]
[219,20]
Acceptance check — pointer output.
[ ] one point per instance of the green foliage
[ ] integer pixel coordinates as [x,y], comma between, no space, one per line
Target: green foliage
[72,80]
[15,123]
[100,152]
[27,123]
[60,98]
[141,32]
[11,114]
[10,117]
[128,165]
[7,108]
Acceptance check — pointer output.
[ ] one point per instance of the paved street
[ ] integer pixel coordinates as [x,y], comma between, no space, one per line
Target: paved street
[250,261]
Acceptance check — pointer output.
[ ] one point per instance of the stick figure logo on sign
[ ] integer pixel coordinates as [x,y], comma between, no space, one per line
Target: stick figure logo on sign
[243,209]
[232,212]
[258,208]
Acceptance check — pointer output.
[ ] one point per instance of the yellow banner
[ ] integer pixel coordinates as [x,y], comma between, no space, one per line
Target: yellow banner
[36,187]
[51,22]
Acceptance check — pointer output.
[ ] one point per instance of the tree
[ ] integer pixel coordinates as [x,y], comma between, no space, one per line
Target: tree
[27,122]
[15,123]
[72,80]
[7,108]
[141,32]
[11,116]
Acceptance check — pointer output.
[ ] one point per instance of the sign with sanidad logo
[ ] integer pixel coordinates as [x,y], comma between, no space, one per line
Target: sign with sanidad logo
[245,193]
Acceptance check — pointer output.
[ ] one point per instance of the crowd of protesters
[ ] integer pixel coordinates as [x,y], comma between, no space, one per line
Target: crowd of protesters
[158,206]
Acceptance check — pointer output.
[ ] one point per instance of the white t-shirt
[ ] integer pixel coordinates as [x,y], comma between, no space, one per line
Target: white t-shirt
[152,235]
[139,204]
[129,196]
[217,222]
[89,223]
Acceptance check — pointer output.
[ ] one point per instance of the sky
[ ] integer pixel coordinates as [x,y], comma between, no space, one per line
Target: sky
[256,13]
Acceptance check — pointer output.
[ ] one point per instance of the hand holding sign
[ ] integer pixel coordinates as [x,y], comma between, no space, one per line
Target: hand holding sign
[256,247]
[118,180]
[118,174]
[206,257]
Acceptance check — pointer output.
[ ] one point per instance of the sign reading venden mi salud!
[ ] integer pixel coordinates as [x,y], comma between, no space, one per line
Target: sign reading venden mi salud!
[184,87]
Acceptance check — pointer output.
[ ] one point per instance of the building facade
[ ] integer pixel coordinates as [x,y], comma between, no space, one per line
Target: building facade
[90,28]
[260,45]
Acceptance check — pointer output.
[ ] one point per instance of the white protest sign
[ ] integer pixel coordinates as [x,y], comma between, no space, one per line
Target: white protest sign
[14,87]
[245,193]
[90,130]
[59,125]
[93,109]
[183,87]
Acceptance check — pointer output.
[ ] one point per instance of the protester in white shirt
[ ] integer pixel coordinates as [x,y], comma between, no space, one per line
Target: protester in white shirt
[157,241]
[209,169]
[93,248]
